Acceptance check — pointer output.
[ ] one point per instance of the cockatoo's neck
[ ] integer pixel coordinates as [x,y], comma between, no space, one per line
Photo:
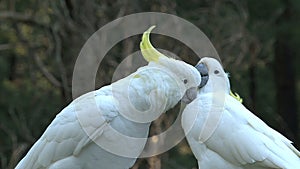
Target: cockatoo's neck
[223,85]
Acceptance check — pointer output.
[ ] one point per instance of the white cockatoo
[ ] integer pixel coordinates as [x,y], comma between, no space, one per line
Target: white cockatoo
[108,128]
[223,134]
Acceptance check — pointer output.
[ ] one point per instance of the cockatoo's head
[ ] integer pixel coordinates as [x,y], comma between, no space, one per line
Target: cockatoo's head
[187,75]
[213,76]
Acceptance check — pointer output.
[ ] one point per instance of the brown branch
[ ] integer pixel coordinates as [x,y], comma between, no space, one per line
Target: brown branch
[17,149]
[16,155]
[37,60]
[15,16]
[45,72]
[21,17]
[123,8]
[63,72]
[20,121]
[5,46]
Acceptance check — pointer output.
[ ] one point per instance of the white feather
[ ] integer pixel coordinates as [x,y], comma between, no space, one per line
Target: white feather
[240,139]
[65,143]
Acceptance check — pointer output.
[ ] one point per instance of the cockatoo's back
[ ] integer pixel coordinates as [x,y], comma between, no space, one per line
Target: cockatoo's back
[65,137]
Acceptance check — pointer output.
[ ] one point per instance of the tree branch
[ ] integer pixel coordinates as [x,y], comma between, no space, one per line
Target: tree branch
[20,17]
[45,72]
[5,46]
[58,53]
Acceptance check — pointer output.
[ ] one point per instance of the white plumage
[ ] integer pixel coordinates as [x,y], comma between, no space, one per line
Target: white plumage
[234,138]
[94,130]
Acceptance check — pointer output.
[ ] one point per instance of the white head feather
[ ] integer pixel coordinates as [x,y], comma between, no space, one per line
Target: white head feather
[187,75]
[218,80]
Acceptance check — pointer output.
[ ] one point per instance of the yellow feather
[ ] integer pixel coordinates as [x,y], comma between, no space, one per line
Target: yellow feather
[236,96]
[137,76]
[148,51]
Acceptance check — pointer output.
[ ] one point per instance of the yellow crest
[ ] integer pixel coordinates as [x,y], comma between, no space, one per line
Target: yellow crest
[236,96]
[148,51]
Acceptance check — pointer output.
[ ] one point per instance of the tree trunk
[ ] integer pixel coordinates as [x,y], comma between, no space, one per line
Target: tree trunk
[284,74]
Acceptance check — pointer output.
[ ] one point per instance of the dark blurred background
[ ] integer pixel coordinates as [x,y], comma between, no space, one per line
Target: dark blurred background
[258,42]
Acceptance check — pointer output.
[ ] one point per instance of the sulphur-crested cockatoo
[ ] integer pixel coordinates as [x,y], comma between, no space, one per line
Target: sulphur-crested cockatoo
[107,128]
[223,134]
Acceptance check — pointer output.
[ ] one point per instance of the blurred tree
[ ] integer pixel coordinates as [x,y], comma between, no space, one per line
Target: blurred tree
[285,71]
[40,40]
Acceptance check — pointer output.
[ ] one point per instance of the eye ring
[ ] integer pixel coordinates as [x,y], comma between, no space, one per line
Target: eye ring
[185,81]
[216,72]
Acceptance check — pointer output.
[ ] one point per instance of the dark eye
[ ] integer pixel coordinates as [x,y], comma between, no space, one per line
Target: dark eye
[216,72]
[185,81]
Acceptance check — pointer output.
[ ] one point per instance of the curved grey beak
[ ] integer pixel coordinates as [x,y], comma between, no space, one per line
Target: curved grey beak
[201,67]
[190,95]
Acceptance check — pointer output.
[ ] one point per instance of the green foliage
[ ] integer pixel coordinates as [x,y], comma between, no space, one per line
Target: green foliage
[40,40]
